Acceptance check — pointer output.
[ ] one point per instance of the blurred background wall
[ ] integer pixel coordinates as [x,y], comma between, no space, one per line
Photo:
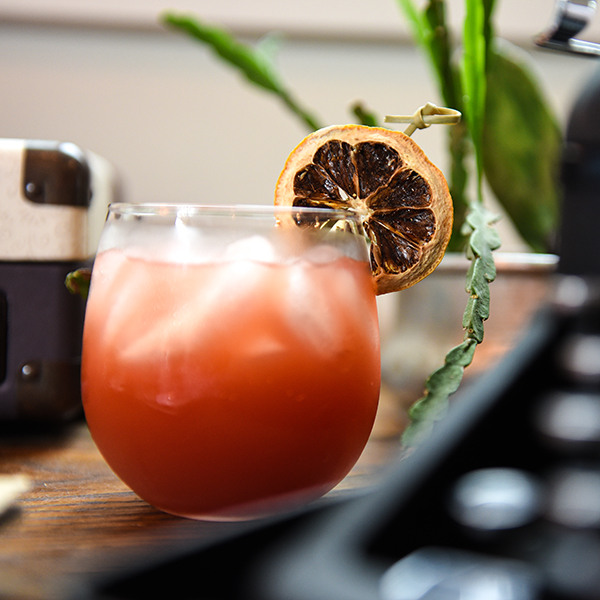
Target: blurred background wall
[180,127]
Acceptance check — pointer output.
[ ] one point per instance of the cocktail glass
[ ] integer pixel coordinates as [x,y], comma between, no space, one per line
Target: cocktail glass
[231,363]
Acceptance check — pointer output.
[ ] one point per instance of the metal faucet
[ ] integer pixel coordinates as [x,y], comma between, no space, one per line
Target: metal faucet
[571,17]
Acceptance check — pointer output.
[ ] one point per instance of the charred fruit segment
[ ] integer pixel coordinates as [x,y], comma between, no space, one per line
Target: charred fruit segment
[383,175]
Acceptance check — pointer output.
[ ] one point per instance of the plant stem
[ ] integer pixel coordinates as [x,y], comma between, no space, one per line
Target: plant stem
[460,150]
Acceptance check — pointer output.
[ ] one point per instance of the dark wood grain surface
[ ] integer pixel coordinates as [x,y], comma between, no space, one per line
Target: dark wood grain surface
[78,522]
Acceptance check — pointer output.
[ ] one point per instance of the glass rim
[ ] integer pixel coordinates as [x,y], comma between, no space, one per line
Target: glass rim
[225,210]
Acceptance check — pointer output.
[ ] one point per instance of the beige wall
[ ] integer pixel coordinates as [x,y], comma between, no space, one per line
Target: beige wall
[180,127]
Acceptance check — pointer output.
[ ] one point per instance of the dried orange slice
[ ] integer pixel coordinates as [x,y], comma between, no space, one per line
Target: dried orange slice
[384,176]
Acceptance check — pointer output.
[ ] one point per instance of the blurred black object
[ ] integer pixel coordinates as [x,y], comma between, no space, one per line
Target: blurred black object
[41,326]
[579,244]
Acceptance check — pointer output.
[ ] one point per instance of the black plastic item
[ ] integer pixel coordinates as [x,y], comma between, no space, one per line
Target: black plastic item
[579,240]
[41,327]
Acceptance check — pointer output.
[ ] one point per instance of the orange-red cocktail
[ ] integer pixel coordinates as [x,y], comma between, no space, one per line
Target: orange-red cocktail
[231,357]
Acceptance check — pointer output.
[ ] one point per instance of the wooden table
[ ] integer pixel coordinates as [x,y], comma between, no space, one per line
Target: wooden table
[78,522]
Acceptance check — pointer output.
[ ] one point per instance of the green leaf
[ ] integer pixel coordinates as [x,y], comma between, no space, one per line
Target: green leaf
[473,78]
[434,405]
[462,355]
[481,247]
[446,379]
[440,48]
[441,383]
[430,30]
[488,29]
[473,318]
[78,282]
[477,280]
[255,64]
[252,64]
[268,46]
[483,240]
[415,21]
[444,382]
[363,115]
[521,148]
[460,150]
[417,432]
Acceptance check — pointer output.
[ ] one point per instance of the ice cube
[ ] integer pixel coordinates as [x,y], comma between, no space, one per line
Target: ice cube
[255,248]
[197,308]
[324,304]
[310,309]
[116,291]
[322,254]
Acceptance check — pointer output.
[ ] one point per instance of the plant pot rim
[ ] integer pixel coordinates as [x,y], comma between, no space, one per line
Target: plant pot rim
[507,262]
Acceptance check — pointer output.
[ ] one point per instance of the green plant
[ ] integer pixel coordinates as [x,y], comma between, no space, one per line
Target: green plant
[507,128]
[514,135]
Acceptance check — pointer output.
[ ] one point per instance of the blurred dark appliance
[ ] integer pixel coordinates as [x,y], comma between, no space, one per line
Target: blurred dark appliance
[52,194]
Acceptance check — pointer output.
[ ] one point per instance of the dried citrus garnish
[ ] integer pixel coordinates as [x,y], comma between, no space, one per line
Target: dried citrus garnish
[384,176]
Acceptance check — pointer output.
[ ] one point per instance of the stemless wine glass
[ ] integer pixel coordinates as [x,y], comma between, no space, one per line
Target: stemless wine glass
[231,363]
